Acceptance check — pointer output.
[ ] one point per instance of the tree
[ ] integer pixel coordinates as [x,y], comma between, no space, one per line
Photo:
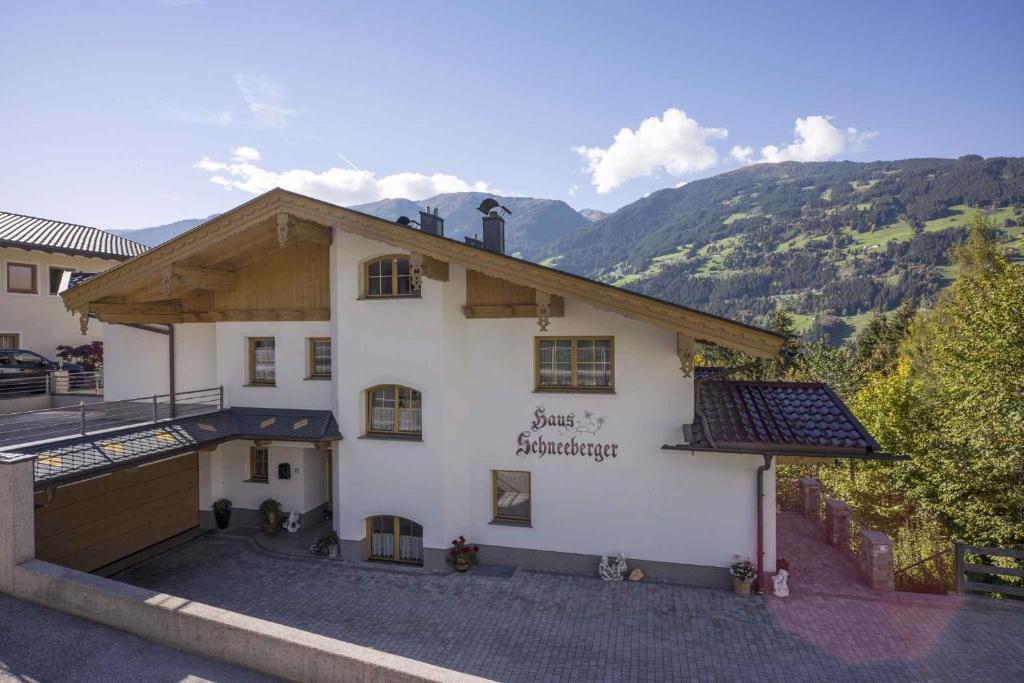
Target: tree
[89,356]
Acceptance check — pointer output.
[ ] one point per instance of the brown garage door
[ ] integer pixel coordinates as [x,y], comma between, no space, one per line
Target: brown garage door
[92,523]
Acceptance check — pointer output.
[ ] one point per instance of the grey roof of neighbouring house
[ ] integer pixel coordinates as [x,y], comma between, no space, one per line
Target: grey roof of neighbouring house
[66,460]
[782,418]
[28,232]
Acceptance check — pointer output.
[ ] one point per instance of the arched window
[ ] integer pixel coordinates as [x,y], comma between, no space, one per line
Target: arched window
[393,538]
[394,409]
[388,276]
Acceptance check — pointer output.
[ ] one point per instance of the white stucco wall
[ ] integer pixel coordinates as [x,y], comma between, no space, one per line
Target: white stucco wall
[40,319]
[225,474]
[137,360]
[476,377]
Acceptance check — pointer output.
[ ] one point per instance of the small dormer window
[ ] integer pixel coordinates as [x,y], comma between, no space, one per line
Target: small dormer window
[388,276]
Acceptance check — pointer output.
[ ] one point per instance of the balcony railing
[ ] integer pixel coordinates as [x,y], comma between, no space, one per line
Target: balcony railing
[87,418]
[81,383]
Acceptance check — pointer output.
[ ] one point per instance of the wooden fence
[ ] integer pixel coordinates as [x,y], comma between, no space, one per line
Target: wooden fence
[985,569]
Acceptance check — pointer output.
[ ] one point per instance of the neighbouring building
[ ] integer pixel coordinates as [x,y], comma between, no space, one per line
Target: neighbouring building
[420,389]
[37,254]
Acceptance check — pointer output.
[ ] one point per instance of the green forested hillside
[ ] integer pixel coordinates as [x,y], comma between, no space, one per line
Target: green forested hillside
[831,241]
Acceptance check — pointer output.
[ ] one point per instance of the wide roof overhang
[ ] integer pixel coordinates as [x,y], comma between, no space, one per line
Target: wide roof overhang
[182,280]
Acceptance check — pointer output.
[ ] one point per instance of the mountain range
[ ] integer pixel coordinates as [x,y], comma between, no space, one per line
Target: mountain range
[832,242]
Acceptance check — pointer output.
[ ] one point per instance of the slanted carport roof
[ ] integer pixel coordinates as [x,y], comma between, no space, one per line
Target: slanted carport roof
[68,460]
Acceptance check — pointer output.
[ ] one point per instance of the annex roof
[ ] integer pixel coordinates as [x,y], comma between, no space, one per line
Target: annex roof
[206,246]
[66,460]
[28,232]
[781,418]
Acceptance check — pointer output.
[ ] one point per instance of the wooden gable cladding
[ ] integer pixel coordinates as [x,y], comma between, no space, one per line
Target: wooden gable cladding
[264,273]
[493,297]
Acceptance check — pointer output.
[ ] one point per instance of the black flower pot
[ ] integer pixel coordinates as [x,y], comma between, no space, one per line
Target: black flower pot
[223,518]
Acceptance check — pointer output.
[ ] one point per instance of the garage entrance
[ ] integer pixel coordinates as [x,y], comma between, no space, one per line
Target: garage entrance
[91,523]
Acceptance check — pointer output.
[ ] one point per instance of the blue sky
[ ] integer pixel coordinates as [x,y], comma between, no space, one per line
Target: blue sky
[133,114]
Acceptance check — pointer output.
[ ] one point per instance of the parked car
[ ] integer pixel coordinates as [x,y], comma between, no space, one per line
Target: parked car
[20,364]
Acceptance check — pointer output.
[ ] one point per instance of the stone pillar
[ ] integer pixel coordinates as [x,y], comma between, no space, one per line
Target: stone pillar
[810,496]
[877,559]
[17,518]
[837,523]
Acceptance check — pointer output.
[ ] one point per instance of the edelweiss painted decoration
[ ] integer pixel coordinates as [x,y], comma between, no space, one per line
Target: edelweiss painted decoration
[572,430]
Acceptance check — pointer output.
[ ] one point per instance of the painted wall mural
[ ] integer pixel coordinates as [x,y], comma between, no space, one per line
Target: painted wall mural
[566,434]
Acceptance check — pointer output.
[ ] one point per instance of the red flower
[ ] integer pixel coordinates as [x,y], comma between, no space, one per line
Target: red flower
[476,549]
[462,539]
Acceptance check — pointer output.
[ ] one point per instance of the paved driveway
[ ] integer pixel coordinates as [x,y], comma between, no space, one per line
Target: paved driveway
[547,627]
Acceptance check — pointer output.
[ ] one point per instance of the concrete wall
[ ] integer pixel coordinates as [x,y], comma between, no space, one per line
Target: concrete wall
[41,319]
[282,651]
[21,404]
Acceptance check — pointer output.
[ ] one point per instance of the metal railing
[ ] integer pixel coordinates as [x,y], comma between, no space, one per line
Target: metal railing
[12,387]
[932,574]
[86,418]
[59,382]
[90,383]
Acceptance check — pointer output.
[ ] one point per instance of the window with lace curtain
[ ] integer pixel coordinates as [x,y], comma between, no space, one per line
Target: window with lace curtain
[319,358]
[393,409]
[262,365]
[575,364]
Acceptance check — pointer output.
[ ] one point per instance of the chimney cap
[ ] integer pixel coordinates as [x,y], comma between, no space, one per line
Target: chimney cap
[488,205]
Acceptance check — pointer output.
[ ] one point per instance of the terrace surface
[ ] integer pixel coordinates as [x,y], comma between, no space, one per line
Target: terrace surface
[549,627]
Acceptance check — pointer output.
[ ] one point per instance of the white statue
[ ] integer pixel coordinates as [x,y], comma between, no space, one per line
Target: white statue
[292,525]
[609,572]
[780,587]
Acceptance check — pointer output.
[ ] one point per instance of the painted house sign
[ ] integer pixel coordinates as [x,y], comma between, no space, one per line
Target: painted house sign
[567,435]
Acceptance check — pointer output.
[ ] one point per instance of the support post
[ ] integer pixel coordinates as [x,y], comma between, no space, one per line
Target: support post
[17,519]
[810,498]
[877,560]
[837,523]
[958,548]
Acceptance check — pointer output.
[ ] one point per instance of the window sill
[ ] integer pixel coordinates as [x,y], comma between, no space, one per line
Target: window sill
[416,438]
[261,385]
[571,390]
[256,481]
[510,522]
[387,297]
[318,379]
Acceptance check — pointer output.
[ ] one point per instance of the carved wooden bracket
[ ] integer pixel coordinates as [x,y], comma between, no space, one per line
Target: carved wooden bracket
[543,310]
[685,349]
[282,228]
[167,280]
[416,270]
[83,321]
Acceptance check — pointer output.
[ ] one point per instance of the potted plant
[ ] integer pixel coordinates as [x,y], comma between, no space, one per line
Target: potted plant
[222,513]
[462,556]
[743,574]
[325,545]
[273,518]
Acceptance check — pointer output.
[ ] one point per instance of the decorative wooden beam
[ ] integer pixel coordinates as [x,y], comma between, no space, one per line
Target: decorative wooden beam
[685,349]
[102,310]
[484,311]
[436,269]
[244,315]
[196,277]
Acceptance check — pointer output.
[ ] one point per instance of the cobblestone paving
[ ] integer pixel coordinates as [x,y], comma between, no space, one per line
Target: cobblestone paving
[547,627]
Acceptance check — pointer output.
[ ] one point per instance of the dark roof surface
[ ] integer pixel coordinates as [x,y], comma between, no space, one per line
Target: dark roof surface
[78,277]
[67,460]
[777,417]
[28,232]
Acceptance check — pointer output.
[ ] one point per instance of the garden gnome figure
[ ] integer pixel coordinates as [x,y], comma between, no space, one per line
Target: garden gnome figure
[780,587]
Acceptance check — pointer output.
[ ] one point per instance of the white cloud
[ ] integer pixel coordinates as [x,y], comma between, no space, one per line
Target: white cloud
[673,143]
[265,99]
[573,190]
[814,139]
[345,186]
